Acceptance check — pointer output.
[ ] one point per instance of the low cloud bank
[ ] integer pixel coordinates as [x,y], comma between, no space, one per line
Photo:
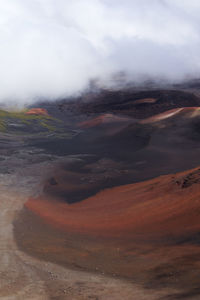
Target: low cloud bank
[54,48]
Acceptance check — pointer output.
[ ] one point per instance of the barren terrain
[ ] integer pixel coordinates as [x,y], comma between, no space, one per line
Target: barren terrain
[100,198]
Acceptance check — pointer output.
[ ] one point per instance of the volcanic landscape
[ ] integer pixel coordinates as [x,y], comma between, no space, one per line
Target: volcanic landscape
[100,196]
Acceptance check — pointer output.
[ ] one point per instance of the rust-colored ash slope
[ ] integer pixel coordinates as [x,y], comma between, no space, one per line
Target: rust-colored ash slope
[167,206]
[147,231]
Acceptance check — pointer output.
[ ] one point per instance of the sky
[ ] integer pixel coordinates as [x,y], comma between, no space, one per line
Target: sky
[54,48]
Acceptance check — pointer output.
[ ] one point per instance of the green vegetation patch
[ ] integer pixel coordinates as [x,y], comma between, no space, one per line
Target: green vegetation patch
[20,122]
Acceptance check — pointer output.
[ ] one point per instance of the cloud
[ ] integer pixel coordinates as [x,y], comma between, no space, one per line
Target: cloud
[53,48]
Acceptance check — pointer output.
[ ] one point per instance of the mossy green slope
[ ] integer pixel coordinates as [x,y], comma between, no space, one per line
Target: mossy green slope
[20,123]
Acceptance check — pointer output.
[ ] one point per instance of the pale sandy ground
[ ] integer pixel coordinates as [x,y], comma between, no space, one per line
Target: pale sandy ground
[24,277]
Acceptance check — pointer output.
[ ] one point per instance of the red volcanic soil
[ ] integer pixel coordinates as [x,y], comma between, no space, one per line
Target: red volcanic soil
[162,116]
[145,100]
[37,111]
[147,231]
[184,111]
[165,207]
[103,119]
[111,118]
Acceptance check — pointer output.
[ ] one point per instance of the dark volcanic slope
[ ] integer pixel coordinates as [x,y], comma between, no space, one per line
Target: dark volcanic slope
[136,150]
[138,104]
